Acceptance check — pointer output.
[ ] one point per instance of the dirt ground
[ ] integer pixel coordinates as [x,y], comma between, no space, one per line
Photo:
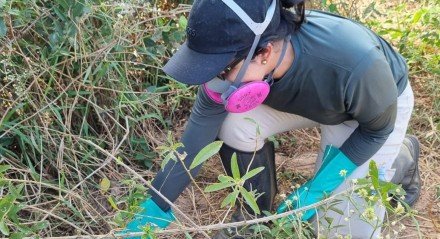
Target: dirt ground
[296,159]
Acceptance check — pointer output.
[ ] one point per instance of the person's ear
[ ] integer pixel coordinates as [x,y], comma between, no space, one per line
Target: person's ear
[264,54]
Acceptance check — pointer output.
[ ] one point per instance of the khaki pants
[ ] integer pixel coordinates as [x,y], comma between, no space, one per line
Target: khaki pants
[239,132]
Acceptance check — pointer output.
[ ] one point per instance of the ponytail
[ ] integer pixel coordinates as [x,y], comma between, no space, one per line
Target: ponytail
[295,19]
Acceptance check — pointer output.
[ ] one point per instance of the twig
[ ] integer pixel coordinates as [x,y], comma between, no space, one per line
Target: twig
[20,34]
[109,159]
[59,218]
[250,222]
[148,184]
[213,226]
[34,114]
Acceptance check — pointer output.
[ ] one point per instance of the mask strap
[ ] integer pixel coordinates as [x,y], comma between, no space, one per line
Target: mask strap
[257,28]
[269,78]
[246,63]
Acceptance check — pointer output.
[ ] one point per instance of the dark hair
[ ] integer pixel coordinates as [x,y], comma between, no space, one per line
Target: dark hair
[294,20]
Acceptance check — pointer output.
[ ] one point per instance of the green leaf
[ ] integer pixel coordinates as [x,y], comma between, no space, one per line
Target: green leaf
[337,210]
[169,156]
[418,15]
[386,187]
[260,229]
[332,8]
[4,168]
[40,226]
[384,201]
[374,173]
[230,199]
[13,213]
[17,235]
[252,173]
[119,160]
[250,200]
[5,204]
[105,185]
[218,186]
[15,12]
[86,77]
[77,10]
[223,178]
[112,203]
[363,181]
[3,228]
[329,220]
[3,29]
[234,167]
[183,22]
[207,152]
[23,229]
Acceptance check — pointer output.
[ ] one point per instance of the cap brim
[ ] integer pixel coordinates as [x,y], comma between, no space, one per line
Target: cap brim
[195,68]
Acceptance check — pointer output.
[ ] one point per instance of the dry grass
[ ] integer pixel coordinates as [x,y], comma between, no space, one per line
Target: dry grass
[62,187]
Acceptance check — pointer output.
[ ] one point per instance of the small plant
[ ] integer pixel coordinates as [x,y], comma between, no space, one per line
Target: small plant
[11,205]
[375,192]
[170,151]
[236,183]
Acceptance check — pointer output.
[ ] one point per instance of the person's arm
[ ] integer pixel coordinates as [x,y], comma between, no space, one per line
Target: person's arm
[202,129]
[371,100]
[369,136]
[371,96]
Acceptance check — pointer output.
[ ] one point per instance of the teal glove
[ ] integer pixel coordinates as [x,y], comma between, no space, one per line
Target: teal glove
[334,170]
[151,214]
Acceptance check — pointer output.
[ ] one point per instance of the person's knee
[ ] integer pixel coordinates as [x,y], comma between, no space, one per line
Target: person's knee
[241,134]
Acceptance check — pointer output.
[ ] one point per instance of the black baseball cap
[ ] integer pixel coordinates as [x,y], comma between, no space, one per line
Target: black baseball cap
[216,34]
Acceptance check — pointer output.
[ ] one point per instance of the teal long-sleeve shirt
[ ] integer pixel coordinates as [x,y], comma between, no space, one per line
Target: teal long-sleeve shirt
[342,71]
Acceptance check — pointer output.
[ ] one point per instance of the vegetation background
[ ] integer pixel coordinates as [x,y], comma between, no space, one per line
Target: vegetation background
[86,112]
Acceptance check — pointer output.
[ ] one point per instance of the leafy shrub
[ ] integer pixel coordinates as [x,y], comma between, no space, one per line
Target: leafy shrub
[80,78]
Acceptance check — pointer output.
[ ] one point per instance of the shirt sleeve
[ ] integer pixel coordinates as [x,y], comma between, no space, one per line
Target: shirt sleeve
[371,100]
[202,129]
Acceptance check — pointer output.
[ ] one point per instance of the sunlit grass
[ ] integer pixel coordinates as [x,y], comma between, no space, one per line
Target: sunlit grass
[80,77]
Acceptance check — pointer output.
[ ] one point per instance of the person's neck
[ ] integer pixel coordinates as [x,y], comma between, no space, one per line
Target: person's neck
[286,63]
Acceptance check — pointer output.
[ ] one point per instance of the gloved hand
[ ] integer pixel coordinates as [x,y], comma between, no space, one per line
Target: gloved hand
[151,214]
[334,170]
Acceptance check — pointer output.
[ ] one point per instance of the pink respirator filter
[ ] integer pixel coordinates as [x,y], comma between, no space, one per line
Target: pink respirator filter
[247,97]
